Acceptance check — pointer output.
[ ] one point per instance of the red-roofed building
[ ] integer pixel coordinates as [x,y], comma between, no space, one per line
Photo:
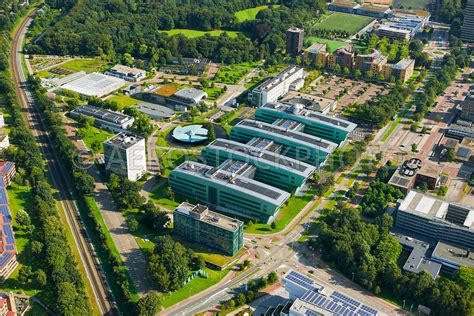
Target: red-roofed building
[7,305]
[7,171]
[8,252]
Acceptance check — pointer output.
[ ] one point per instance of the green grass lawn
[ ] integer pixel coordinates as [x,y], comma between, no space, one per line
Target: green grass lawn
[287,212]
[213,93]
[251,14]
[124,101]
[91,134]
[344,22]
[331,45]
[232,74]
[83,64]
[195,33]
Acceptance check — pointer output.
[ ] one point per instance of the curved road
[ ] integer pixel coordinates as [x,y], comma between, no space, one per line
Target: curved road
[93,270]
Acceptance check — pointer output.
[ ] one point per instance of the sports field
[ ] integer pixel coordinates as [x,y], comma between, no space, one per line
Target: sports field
[413,4]
[194,33]
[251,14]
[344,22]
[331,45]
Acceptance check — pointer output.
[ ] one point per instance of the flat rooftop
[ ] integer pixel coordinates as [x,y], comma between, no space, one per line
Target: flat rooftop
[417,260]
[322,300]
[311,115]
[153,109]
[99,113]
[369,7]
[204,214]
[280,77]
[309,102]
[428,206]
[316,48]
[236,182]
[166,90]
[127,70]
[191,93]
[458,256]
[290,135]
[263,155]
[94,84]
[124,140]
[404,63]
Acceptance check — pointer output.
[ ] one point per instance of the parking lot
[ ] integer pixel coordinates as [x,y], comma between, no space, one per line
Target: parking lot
[345,91]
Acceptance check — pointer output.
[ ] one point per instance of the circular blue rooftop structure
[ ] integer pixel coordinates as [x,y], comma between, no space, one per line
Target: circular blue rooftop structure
[190,133]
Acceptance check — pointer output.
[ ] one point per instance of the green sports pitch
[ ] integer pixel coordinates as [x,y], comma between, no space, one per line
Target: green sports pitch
[344,22]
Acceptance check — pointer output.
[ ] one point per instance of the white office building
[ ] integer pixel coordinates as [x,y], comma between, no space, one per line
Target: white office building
[125,155]
[291,78]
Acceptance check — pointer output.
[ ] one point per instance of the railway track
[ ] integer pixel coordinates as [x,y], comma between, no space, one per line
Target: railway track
[94,273]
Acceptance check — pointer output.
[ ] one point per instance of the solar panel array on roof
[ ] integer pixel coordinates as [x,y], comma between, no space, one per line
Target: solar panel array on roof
[5,257]
[5,211]
[3,197]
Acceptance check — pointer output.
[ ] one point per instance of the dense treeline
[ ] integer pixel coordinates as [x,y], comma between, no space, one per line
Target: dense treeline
[377,197]
[84,186]
[368,254]
[117,27]
[437,84]
[48,236]
[377,113]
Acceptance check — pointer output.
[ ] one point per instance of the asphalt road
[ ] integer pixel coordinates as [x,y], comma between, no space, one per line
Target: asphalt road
[32,117]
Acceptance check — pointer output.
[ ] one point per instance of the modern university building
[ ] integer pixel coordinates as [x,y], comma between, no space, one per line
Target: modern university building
[229,188]
[315,123]
[286,133]
[198,224]
[270,168]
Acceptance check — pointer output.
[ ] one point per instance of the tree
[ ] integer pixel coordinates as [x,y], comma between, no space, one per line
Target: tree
[414,148]
[149,305]
[358,74]
[22,218]
[24,274]
[273,225]
[36,247]
[132,224]
[442,190]
[450,155]
[346,71]
[169,264]
[40,278]
[211,136]
[69,300]
[169,193]
[272,277]
[337,68]
[241,299]
[154,217]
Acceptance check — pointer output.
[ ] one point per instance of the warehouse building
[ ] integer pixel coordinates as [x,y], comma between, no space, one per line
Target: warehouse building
[330,128]
[198,224]
[271,167]
[287,133]
[126,73]
[124,154]
[104,119]
[436,219]
[291,78]
[94,85]
[228,189]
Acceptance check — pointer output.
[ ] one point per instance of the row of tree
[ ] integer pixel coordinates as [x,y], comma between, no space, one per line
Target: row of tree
[83,185]
[48,241]
[437,84]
